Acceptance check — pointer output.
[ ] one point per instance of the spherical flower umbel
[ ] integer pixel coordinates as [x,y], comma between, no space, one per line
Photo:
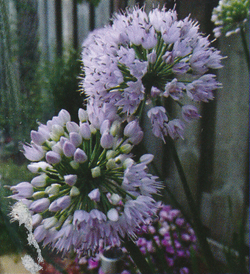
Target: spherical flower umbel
[229,16]
[86,185]
[150,58]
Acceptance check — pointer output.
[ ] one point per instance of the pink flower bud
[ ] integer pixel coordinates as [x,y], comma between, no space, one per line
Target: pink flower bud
[94,195]
[60,203]
[40,233]
[24,190]
[82,115]
[146,158]
[105,126]
[53,157]
[131,128]
[80,156]
[40,205]
[40,166]
[39,181]
[68,149]
[37,137]
[36,220]
[70,179]
[85,131]
[75,138]
[107,140]
[72,127]
[137,138]
[64,116]
[152,57]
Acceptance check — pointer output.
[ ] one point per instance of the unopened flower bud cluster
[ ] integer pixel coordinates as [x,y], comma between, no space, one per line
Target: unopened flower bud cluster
[86,185]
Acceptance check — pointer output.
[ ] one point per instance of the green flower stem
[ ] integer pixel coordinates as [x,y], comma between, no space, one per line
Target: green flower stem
[167,190]
[245,46]
[198,226]
[137,256]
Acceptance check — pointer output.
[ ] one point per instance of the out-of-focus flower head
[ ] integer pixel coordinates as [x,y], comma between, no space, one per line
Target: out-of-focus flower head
[86,187]
[229,16]
[167,241]
[149,58]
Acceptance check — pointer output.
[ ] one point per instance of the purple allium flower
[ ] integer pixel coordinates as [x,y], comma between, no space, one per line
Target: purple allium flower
[94,195]
[80,156]
[70,179]
[22,190]
[176,129]
[68,149]
[40,205]
[107,140]
[37,137]
[33,152]
[39,181]
[36,220]
[53,157]
[174,89]
[60,204]
[139,58]
[189,113]
[85,131]
[159,120]
[86,186]
[173,242]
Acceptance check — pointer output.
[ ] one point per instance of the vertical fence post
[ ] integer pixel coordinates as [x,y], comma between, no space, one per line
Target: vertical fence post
[10,88]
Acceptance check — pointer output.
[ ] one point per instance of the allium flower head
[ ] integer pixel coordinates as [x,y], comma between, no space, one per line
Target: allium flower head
[145,58]
[86,186]
[229,16]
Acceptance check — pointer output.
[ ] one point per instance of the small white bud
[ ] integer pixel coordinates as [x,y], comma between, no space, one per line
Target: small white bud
[39,194]
[115,198]
[74,164]
[128,162]
[110,154]
[115,127]
[96,172]
[126,148]
[53,189]
[82,115]
[113,215]
[111,164]
[74,191]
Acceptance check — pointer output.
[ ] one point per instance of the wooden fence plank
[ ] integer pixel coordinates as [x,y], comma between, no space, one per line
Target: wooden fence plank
[83,19]
[231,143]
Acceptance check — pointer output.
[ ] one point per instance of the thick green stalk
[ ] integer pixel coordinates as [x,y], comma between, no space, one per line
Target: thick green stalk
[137,257]
[245,46]
[167,191]
[198,226]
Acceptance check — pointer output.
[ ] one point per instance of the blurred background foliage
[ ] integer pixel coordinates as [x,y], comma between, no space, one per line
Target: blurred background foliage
[32,89]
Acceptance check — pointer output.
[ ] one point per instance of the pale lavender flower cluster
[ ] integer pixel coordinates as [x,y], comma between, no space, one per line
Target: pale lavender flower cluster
[86,186]
[149,58]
